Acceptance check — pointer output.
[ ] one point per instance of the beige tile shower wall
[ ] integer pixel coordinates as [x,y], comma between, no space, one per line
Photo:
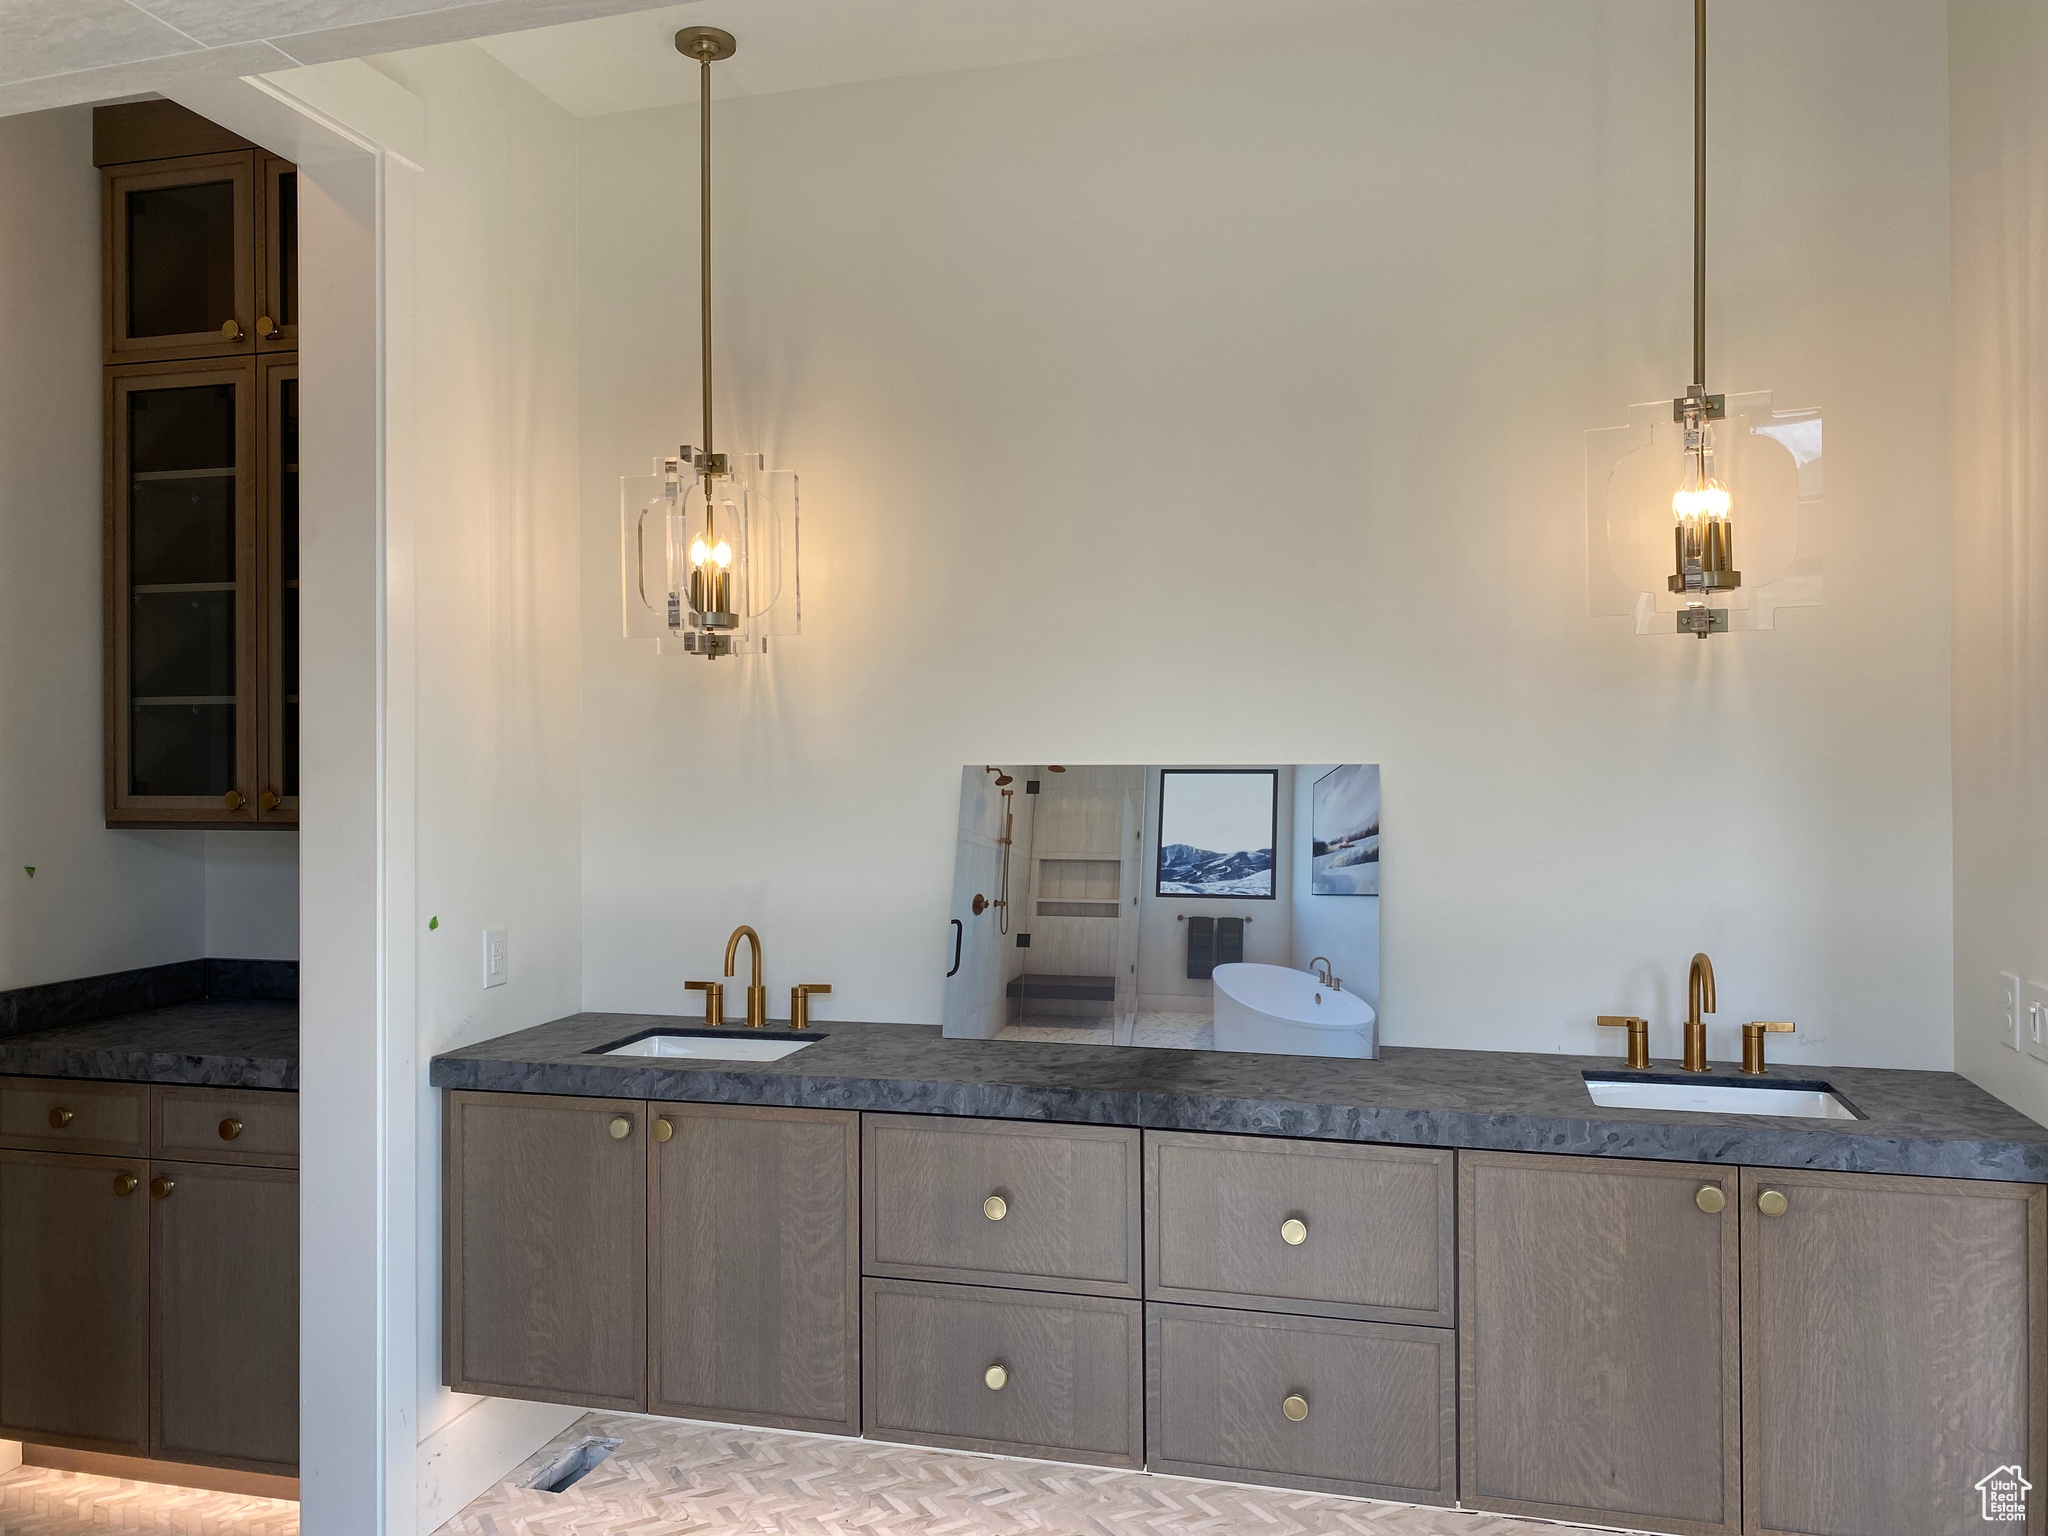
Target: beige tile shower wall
[1226,403]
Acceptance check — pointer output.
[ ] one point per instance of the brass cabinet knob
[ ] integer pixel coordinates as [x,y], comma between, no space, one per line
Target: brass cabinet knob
[267,800]
[161,1188]
[1771,1202]
[663,1128]
[995,1207]
[621,1127]
[231,330]
[265,325]
[230,1128]
[59,1118]
[1295,1406]
[124,1183]
[995,1378]
[232,799]
[1294,1231]
[1709,1198]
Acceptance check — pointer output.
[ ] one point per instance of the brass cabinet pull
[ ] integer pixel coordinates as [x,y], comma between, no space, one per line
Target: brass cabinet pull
[124,1183]
[1294,1231]
[231,330]
[59,1118]
[663,1128]
[1709,1198]
[1771,1202]
[1295,1406]
[232,799]
[267,800]
[995,1378]
[621,1127]
[995,1207]
[265,325]
[161,1188]
[230,1128]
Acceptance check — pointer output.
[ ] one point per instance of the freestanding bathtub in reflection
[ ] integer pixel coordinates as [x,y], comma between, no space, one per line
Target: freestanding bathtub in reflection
[1286,1012]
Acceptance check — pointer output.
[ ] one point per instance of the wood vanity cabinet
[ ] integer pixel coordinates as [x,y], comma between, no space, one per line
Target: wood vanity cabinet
[545,1248]
[1598,1339]
[1894,1351]
[74,1301]
[224,1316]
[201,467]
[753,1256]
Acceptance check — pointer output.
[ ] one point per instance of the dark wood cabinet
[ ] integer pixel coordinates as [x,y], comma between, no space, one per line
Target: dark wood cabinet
[545,1206]
[224,1316]
[74,1301]
[201,520]
[754,1266]
[1894,1351]
[1598,1341]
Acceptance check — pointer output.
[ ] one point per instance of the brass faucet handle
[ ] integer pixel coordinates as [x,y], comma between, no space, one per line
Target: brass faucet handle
[714,1000]
[800,1002]
[1638,1035]
[1753,1041]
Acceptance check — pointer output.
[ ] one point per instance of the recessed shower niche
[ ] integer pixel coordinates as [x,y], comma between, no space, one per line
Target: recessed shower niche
[1179,907]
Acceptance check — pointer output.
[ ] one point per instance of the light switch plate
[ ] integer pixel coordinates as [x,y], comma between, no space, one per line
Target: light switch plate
[497,959]
[2034,1021]
[2014,1011]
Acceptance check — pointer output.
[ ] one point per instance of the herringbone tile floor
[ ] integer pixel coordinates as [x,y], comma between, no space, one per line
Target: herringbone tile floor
[35,1501]
[676,1479]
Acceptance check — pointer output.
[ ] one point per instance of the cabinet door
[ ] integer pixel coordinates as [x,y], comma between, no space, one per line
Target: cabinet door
[1597,1349]
[754,1275]
[181,614]
[74,1301]
[277,259]
[179,242]
[277,559]
[224,1316]
[545,1220]
[1894,1351]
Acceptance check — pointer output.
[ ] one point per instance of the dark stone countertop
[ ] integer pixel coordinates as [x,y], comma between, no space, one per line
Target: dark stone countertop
[1933,1123]
[226,1043]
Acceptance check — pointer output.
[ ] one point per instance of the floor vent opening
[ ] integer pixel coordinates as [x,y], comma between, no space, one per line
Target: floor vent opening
[571,1464]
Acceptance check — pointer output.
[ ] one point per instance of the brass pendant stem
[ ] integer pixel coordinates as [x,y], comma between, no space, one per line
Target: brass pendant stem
[704,232]
[1699,194]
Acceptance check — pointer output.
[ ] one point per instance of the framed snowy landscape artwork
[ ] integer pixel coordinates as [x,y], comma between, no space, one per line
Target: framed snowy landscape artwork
[1345,840]
[1217,831]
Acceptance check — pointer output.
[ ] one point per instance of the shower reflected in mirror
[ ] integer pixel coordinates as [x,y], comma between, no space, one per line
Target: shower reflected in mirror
[1170,906]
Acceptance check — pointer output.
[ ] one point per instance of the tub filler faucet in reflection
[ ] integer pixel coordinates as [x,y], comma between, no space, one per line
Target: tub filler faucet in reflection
[1325,975]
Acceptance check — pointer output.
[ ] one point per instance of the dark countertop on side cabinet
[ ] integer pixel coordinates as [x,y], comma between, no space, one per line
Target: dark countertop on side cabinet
[227,1043]
[1932,1123]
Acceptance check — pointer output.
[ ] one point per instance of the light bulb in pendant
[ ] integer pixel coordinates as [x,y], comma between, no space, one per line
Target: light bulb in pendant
[721,555]
[1711,500]
[698,553]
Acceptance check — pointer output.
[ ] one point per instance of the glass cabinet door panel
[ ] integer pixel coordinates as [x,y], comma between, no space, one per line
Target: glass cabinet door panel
[279,798]
[181,258]
[277,305]
[182,749]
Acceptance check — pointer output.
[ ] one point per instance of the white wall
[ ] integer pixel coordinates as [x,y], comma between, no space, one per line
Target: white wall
[1226,403]
[252,895]
[99,900]
[1998,90]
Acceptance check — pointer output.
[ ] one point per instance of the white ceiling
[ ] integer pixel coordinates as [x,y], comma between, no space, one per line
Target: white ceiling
[624,63]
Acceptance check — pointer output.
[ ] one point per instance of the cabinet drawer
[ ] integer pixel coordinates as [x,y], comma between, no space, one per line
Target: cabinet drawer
[1072,1367]
[1377,1402]
[56,1115]
[1332,1229]
[1045,1207]
[226,1125]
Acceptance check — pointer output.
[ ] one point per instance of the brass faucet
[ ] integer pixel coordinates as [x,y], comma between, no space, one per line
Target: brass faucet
[757,995]
[1699,998]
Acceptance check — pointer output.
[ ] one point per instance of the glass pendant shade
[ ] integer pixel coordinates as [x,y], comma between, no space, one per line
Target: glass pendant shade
[710,562]
[1712,534]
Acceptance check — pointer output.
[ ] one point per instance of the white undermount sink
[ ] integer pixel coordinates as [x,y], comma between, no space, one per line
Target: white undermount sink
[711,1047]
[1803,1102]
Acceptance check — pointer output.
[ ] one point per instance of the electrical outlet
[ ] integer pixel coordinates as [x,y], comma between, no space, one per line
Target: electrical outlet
[2034,1021]
[2014,1012]
[497,957]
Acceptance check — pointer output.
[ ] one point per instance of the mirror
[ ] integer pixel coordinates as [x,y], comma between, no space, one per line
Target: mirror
[1168,906]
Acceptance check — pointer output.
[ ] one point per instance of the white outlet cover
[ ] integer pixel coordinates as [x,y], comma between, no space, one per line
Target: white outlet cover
[497,957]
[2013,1012]
[2034,1021]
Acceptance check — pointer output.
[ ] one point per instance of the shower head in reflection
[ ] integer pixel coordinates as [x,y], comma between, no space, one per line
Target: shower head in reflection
[1002,778]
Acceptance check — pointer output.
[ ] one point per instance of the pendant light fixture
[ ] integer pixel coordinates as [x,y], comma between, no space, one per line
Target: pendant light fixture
[1685,475]
[719,576]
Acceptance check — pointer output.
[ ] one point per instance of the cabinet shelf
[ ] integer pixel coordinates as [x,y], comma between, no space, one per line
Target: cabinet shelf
[172,701]
[148,476]
[151,588]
